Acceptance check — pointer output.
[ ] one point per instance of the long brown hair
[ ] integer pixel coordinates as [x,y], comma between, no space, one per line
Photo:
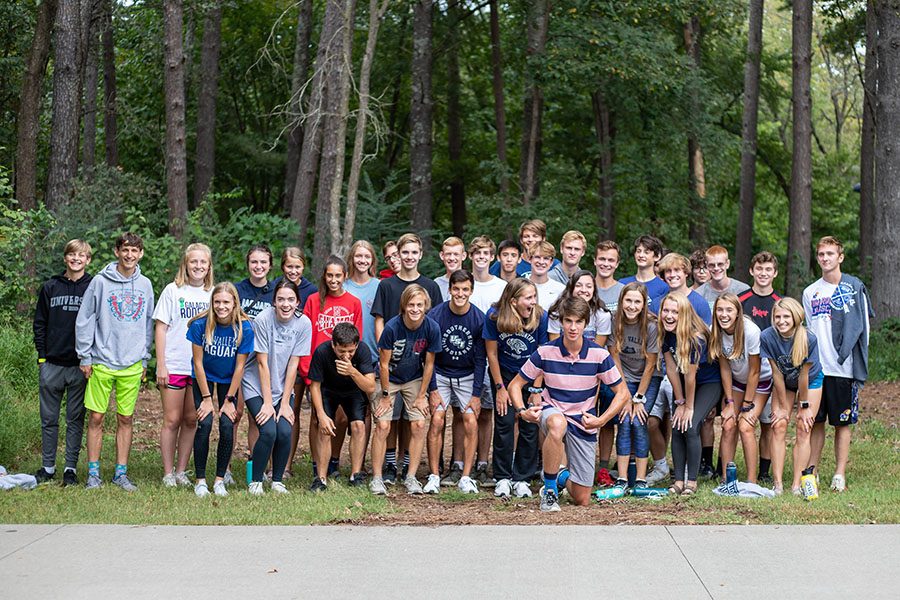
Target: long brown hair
[715,339]
[508,318]
[323,289]
[643,321]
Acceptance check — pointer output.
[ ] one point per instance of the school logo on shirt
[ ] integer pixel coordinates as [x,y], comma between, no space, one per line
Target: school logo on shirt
[457,341]
[127,304]
[758,312]
[331,317]
[843,298]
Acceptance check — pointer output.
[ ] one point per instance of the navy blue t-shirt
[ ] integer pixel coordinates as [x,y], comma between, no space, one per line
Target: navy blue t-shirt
[772,345]
[462,344]
[701,306]
[513,349]
[408,347]
[220,356]
[255,299]
[707,372]
[656,287]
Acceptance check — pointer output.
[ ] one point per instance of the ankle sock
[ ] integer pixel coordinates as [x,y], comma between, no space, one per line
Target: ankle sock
[94,468]
[480,465]
[390,456]
[459,465]
[764,464]
[550,482]
[69,469]
[50,470]
[604,464]
[662,464]
[406,458]
[121,469]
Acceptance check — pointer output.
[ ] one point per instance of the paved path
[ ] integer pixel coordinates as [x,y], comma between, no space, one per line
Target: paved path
[109,561]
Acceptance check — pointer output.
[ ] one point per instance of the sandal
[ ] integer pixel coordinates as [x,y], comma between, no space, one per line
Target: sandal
[676,489]
[689,489]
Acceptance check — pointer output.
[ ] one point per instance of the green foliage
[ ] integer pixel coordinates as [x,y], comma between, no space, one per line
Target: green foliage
[884,351]
[19,418]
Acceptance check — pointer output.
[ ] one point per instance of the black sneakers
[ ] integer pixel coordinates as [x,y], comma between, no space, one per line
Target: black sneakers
[43,476]
[358,480]
[318,485]
[389,474]
[69,478]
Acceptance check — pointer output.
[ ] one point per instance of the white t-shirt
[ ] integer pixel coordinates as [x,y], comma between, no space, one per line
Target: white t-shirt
[487,293]
[175,307]
[443,282]
[548,292]
[601,324]
[740,367]
[818,300]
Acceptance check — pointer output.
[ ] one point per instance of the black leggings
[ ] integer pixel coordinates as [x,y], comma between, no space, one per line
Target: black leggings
[204,428]
[522,464]
[274,440]
[686,446]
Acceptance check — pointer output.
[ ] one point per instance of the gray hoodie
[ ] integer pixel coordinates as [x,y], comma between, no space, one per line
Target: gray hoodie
[114,327]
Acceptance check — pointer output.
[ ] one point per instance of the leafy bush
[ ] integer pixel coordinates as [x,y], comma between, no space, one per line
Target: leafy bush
[19,414]
[884,351]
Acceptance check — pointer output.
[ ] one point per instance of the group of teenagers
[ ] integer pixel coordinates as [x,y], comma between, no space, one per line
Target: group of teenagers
[540,365]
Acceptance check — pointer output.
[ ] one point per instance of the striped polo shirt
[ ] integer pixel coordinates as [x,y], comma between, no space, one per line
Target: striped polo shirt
[570,381]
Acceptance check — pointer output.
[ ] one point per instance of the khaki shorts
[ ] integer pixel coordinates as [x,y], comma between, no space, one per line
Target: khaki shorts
[407,392]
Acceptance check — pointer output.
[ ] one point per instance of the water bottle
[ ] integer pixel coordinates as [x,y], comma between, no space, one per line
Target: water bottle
[249,472]
[649,492]
[731,472]
[808,484]
[632,472]
[609,493]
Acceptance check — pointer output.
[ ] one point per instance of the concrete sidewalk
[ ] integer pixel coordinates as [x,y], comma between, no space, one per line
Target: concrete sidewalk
[108,561]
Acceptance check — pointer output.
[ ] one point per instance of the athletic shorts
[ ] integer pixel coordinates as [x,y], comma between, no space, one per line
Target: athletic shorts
[487,392]
[179,382]
[762,387]
[840,401]
[99,386]
[766,415]
[455,391]
[402,395]
[354,406]
[663,400]
[579,451]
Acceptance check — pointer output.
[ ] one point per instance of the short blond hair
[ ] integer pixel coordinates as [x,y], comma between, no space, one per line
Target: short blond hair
[672,261]
[78,245]
[544,248]
[409,238]
[571,236]
[830,240]
[481,242]
[453,241]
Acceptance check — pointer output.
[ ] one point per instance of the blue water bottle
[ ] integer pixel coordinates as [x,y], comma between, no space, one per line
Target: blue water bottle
[249,472]
[730,472]
[632,472]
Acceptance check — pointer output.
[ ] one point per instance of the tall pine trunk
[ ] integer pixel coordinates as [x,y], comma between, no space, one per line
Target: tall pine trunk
[532,128]
[885,283]
[205,160]
[799,229]
[420,116]
[744,239]
[454,125]
[376,13]
[66,105]
[299,74]
[28,118]
[605,131]
[173,83]
[867,146]
[110,117]
[499,108]
[696,171]
[91,79]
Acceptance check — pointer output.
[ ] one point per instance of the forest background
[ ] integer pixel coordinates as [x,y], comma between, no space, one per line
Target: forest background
[317,122]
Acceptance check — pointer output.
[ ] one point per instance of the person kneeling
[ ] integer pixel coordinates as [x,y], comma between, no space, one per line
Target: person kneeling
[572,369]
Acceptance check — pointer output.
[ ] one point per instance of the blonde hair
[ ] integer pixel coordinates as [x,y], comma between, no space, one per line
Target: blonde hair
[800,347]
[571,236]
[367,246]
[643,320]
[410,238]
[482,241]
[716,349]
[690,332]
[673,261]
[535,225]
[830,240]
[453,241]
[544,248]
[413,290]
[508,318]
[236,320]
[181,278]
[292,252]
[77,245]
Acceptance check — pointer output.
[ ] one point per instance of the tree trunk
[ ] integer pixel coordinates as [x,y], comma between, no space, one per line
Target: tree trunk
[867,146]
[532,129]
[205,161]
[298,79]
[312,123]
[420,116]
[696,172]
[28,119]
[799,228]
[187,49]
[499,109]
[110,119]
[176,152]
[605,131]
[91,77]
[885,283]
[376,13]
[66,105]
[331,171]
[454,126]
[744,239]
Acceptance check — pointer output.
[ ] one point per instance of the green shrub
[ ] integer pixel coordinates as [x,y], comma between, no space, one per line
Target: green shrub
[20,428]
[884,351]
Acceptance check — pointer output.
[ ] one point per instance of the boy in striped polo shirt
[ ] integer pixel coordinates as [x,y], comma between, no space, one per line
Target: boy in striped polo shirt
[573,369]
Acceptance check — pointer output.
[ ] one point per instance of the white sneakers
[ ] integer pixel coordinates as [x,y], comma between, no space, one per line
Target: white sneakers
[659,473]
[838,483]
[278,488]
[521,490]
[201,489]
[169,480]
[433,485]
[256,488]
[466,485]
[219,489]
[503,489]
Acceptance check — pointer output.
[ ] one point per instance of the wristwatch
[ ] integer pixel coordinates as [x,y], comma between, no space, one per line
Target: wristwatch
[385,394]
[520,410]
[804,405]
[232,399]
[729,400]
[498,386]
[638,398]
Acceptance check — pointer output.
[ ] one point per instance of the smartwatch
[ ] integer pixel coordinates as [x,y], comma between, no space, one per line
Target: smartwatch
[385,394]
[535,390]
[520,410]
[498,386]
[804,405]
[638,399]
[232,399]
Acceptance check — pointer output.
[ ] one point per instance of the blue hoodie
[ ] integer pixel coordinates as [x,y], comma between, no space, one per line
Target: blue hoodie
[114,327]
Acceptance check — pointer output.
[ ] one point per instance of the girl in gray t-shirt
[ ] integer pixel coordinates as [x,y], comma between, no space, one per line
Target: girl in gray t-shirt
[280,339]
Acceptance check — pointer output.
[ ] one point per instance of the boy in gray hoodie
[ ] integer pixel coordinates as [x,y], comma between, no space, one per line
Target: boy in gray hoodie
[113,333]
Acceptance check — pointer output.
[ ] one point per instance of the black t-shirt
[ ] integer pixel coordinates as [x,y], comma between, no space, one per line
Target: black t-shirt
[387,296]
[759,308]
[323,370]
